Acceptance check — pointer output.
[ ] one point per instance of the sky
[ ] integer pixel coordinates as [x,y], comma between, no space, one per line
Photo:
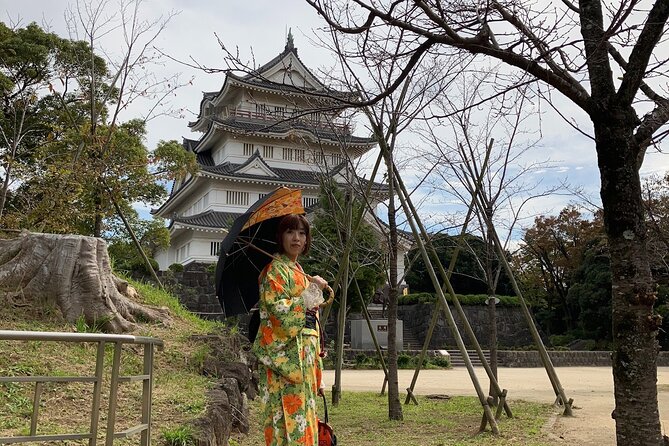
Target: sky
[258,28]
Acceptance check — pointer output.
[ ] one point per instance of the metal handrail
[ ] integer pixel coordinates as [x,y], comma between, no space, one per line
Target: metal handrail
[150,344]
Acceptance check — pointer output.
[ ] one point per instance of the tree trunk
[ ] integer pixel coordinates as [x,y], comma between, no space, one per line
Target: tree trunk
[491,283]
[635,326]
[394,404]
[5,187]
[74,273]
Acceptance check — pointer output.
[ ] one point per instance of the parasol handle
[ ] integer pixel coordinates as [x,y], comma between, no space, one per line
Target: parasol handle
[330,299]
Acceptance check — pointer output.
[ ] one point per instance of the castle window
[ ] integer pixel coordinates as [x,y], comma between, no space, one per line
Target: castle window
[318,158]
[261,109]
[183,252]
[248,149]
[279,112]
[337,158]
[237,197]
[299,155]
[215,249]
[287,154]
[309,201]
[200,204]
[268,151]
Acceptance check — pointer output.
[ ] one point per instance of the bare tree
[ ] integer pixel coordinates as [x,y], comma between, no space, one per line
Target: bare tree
[605,58]
[458,151]
[388,118]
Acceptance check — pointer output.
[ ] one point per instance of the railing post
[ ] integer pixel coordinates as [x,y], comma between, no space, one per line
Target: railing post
[113,394]
[33,419]
[97,389]
[101,340]
[147,389]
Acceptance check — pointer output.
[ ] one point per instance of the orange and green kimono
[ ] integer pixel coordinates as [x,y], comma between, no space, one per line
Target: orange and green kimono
[290,367]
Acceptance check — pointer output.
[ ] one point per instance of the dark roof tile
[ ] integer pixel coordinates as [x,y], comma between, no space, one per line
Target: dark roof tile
[209,219]
[281,127]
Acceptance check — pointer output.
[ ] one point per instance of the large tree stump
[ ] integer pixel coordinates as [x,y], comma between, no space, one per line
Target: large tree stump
[74,272]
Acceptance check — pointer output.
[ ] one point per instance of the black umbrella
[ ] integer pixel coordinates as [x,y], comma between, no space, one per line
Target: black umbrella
[247,249]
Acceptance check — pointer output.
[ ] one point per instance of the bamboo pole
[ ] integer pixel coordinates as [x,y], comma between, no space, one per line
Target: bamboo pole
[135,241]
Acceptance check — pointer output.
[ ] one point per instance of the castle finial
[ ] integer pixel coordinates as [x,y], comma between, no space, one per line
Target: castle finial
[290,45]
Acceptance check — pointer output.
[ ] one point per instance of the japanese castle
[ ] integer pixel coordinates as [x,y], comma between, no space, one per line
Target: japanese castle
[273,127]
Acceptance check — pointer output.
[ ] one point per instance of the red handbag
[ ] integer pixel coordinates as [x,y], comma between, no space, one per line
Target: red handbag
[326,436]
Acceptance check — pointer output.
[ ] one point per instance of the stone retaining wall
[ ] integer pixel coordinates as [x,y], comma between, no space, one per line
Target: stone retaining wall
[510,358]
[195,289]
[512,330]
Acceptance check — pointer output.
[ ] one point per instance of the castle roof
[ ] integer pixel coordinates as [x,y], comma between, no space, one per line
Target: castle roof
[235,170]
[259,79]
[270,175]
[208,219]
[282,129]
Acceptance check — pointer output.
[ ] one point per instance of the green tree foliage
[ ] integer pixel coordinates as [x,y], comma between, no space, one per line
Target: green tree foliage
[153,236]
[31,60]
[565,271]
[80,161]
[551,252]
[69,188]
[366,259]
[468,276]
[171,161]
[590,293]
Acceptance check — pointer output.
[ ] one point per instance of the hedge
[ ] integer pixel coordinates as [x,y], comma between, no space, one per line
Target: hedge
[465,299]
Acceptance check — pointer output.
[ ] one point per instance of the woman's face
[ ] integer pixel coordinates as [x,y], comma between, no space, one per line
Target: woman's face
[293,241]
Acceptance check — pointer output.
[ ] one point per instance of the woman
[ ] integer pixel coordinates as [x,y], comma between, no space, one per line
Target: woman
[287,344]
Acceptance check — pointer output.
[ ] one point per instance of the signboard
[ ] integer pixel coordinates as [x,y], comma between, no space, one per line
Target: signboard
[361,337]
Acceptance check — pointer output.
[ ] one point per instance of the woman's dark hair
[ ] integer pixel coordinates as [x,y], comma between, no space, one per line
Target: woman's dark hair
[293,221]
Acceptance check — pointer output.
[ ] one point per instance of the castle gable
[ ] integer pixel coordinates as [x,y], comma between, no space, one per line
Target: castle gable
[288,69]
[256,166]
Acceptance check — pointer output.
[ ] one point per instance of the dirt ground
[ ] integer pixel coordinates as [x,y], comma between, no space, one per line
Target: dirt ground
[591,388]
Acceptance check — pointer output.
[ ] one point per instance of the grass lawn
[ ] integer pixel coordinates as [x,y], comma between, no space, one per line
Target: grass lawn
[361,419]
[179,391]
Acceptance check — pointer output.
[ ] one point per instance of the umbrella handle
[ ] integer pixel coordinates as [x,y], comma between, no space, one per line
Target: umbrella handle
[329,299]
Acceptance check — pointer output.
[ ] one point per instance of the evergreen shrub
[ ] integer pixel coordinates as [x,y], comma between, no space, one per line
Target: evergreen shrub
[465,299]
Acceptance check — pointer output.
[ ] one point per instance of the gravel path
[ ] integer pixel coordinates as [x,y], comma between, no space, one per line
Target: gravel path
[590,387]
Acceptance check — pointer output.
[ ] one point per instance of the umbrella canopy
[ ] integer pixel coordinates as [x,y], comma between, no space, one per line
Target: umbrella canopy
[240,263]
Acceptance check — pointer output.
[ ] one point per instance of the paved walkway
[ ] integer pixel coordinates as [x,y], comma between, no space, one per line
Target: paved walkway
[590,387]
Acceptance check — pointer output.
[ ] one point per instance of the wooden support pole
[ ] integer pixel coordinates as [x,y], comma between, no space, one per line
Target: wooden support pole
[371,331]
[445,276]
[543,354]
[412,218]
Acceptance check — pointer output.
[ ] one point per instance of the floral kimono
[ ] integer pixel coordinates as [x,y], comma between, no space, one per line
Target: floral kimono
[288,353]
